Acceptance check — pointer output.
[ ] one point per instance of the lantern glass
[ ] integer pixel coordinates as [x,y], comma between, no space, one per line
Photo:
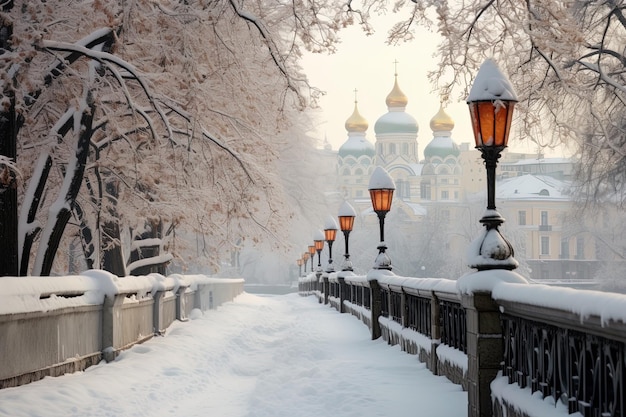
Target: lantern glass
[330,234]
[299,262]
[381,199]
[312,250]
[305,256]
[346,223]
[319,245]
[491,122]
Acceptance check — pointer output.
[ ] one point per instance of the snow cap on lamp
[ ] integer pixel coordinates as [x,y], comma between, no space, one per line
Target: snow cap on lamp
[491,84]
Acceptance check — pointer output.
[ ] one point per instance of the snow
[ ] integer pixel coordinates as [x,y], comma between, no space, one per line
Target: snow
[511,286]
[491,84]
[584,303]
[486,281]
[346,210]
[381,179]
[318,235]
[278,356]
[331,223]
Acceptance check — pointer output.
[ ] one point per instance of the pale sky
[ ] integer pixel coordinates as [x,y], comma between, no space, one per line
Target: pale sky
[366,63]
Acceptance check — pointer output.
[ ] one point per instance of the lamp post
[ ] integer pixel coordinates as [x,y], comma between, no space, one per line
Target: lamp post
[299,262]
[491,101]
[381,189]
[318,240]
[346,222]
[312,255]
[305,257]
[330,233]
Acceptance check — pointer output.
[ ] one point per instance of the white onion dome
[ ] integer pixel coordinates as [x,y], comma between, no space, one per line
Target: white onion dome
[356,146]
[396,120]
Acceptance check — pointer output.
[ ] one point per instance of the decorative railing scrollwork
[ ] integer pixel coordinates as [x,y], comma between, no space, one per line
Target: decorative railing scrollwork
[584,371]
[453,326]
[419,314]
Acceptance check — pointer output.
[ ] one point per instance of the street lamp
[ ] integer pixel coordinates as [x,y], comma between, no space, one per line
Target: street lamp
[330,232]
[300,262]
[491,101]
[346,222]
[318,240]
[381,189]
[312,255]
[305,257]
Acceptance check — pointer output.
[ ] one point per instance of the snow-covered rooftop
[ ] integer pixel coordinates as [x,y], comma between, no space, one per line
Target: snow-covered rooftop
[532,187]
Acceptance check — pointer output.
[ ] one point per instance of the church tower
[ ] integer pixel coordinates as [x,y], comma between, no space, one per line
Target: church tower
[396,132]
[355,158]
[442,173]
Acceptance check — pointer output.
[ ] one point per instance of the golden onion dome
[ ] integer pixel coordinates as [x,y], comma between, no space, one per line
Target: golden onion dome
[441,122]
[356,122]
[396,97]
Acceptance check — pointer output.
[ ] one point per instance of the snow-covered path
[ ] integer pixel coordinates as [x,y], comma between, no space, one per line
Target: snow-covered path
[259,356]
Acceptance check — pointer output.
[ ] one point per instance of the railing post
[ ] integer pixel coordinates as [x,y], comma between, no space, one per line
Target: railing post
[111,326]
[181,303]
[342,293]
[319,286]
[484,350]
[435,332]
[157,313]
[375,307]
[326,287]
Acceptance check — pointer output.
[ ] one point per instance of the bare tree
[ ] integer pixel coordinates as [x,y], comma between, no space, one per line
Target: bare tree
[566,60]
[162,120]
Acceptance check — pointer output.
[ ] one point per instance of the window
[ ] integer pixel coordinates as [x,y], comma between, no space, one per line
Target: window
[521,218]
[444,195]
[392,148]
[456,195]
[545,245]
[564,248]
[405,149]
[425,190]
[544,218]
[580,247]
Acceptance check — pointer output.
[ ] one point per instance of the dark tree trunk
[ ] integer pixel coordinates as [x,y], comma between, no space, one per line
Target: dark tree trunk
[112,258]
[76,180]
[9,126]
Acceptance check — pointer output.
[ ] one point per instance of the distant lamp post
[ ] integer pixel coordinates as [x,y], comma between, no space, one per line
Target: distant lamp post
[300,262]
[330,233]
[381,189]
[318,240]
[346,222]
[491,101]
[312,255]
[305,257]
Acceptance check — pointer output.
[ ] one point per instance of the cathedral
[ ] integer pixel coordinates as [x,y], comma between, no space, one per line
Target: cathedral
[440,198]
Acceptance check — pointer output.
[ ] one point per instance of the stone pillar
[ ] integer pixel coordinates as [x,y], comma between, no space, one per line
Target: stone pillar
[319,286]
[342,293]
[157,313]
[484,350]
[111,326]
[181,303]
[375,307]
[435,334]
[326,288]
